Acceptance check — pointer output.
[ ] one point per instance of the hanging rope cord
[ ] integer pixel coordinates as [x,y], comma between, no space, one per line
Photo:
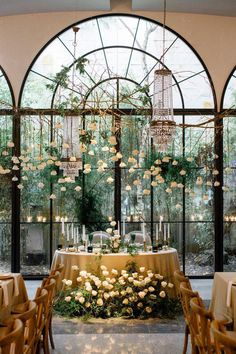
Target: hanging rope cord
[163,54]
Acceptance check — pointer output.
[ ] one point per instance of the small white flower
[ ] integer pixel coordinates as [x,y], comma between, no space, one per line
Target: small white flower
[41,185]
[125,301]
[113,223]
[216,184]
[105,273]
[83,273]
[109,230]
[162,294]
[20,186]
[102,267]
[99,302]
[182,173]
[94,292]
[170,285]
[68,282]
[52,196]
[142,294]
[77,188]
[81,299]
[163,284]
[68,298]
[114,271]
[142,269]
[74,267]
[148,309]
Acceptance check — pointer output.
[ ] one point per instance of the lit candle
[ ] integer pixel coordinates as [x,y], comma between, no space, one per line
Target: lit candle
[160,223]
[62,226]
[157,235]
[83,233]
[168,230]
[77,233]
[67,232]
[72,231]
[123,232]
[164,232]
[144,235]
[101,239]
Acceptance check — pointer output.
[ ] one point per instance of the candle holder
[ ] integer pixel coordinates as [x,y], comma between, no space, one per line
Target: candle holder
[144,246]
[90,249]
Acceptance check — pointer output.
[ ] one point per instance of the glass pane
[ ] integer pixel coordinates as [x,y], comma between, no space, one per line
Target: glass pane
[230,93]
[199,248]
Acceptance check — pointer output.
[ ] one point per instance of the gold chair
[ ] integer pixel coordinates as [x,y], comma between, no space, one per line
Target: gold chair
[59,268]
[41,299]
[200,323]
[50,286]
[181,278]
[225,341]
[12,337]
[186,294]
[28,317]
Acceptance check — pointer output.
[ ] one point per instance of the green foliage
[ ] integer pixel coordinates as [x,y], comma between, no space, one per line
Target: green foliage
[80,65]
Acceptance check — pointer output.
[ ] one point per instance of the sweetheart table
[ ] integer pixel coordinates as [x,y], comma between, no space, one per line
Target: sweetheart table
[163,262]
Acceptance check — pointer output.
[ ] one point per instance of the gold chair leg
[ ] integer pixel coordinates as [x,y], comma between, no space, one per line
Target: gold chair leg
[50,334]
[186,333]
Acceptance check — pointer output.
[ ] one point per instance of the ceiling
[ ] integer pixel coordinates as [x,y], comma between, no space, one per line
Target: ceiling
[211,7]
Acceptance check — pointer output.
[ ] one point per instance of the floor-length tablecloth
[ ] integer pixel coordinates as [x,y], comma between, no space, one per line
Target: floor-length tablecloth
[12,292]
[223,301]
[163,262]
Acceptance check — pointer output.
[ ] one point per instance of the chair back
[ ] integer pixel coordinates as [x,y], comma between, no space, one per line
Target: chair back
[50,288]
[200,322]
[41,300]
[186,295]
[98,235]
[224,341]
[29,322]
[180,277]
[59,268]
[138,237]
[12,341]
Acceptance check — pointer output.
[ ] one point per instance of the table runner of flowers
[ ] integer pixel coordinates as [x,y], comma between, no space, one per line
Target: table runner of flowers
[132,292]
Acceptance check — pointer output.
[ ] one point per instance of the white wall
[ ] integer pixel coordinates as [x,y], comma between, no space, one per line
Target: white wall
[22,36]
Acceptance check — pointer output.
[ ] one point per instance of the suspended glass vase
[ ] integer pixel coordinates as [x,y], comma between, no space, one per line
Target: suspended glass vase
[162,126]
[71,160]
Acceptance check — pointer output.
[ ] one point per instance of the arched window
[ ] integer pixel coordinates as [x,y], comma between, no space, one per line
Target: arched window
[109,83]
[229,163]
[6,152]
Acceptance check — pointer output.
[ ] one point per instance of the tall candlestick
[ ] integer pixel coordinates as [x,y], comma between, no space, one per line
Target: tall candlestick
[123,232]
[72,231]
[144,234]
[62,226]
[83,233]
[168,230]
[67,232]
[77,235]
[164,232]
[157,235]
[101,239]
[118,227]
[160,221]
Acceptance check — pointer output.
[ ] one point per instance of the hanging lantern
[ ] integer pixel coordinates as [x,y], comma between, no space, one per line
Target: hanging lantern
[162,126]
[71,161]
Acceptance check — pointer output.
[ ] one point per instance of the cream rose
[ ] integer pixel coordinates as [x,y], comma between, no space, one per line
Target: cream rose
[162,294]
[99,302]
[68,298]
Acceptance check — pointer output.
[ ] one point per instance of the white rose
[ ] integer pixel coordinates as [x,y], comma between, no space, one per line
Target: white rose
[106,296]
[74,267]
[170,285]
[109,230]
[105,273]
[79,279]
[129,290]
[99,302]
[103,267]
[142,294]
[81,299]
[69,282]
[114,271]
[148,309]
[163,284]
[94,292]
[113,223]
[68,298]
[130,279]
[162,294]
[125,301]
[83,273]
[158,276]
[151,289]
[140,305]
[142,269]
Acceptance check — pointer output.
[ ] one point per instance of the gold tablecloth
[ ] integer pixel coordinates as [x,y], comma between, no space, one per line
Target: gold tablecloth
[12,292]
[223,300]
[163,262]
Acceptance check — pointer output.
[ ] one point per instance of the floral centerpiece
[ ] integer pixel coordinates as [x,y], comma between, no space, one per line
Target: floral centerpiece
[138,293]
